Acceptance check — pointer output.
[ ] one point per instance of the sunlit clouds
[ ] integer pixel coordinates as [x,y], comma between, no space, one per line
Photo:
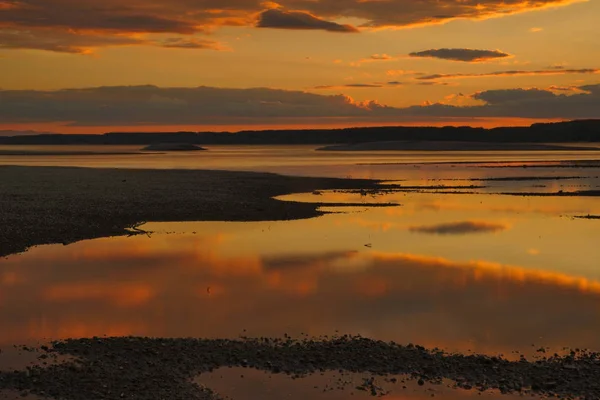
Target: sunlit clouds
[292,62]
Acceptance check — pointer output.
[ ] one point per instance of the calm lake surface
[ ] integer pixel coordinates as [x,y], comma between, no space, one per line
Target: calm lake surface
[457,264]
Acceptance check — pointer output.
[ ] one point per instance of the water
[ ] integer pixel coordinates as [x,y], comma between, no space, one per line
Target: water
[291,160]
[480,272]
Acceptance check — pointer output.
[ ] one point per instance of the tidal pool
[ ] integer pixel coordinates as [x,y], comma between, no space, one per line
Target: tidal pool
[471,271]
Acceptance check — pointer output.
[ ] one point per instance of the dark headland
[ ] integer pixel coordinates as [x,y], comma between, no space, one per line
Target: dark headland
[562,132]
[173,147]
[451,146]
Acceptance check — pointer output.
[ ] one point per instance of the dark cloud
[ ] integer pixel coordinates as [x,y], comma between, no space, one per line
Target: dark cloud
[132,105]
[150,105]
[410,12]
[64,42]
[522,104]
[459,228]
[359,85]
[115,18]
[190,43]
[466,55]
[510,95]
[84,43]
[299,20]
[511,73]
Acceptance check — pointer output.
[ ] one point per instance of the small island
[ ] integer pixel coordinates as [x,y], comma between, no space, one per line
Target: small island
[173,147]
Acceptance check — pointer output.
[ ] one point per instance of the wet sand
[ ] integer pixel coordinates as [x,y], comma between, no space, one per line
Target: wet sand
[44,205]
[145,368]
[48,205]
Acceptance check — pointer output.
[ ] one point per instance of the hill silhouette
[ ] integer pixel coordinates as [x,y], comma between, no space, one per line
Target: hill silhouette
[561,132]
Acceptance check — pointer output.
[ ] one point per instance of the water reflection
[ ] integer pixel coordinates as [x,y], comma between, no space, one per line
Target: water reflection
[314,277]
[247,384]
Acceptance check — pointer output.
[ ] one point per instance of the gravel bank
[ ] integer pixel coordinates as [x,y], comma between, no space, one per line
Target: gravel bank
[144,368]
[43,205]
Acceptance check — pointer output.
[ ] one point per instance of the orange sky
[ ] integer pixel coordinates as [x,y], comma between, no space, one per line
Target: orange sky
[317,63]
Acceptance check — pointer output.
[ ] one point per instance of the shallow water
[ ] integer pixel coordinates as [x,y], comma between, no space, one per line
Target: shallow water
[247,384]
[293,160]
[471,272]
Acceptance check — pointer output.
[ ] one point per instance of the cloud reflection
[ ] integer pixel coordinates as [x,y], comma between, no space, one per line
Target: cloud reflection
[210,293]
[459,228]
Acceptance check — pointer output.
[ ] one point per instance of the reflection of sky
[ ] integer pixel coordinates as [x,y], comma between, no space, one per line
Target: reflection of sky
[248,384]
[485,291]
[304,161]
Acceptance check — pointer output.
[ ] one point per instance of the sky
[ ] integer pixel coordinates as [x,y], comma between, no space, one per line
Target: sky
[84,66]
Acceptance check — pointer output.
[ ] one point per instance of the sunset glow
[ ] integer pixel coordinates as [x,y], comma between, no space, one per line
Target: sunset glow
[179,65]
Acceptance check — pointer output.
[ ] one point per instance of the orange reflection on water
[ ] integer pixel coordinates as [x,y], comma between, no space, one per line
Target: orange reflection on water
[482,270]
[120,294]
[192,285]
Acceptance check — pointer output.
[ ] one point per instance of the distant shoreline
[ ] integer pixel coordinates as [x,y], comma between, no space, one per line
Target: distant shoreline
[559,132]
[452,146]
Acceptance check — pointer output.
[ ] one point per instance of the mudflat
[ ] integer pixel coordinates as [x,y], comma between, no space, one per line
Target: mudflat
[44,205]
[160,368]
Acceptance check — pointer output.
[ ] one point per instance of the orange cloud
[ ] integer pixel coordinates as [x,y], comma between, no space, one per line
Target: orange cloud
[511,73]
[24,22]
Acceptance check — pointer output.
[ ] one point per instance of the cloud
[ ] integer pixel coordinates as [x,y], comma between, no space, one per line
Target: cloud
[397,72]
[360,85]
[523,103]
[190,43]
[114,19]
[382,57]
[509,95]
[151,105]
[553,71]
[85,43]
[373,58]
[132,105]
[349,86]
[64,42]
[459,228]
[466,55]
[406,13]
[275,18]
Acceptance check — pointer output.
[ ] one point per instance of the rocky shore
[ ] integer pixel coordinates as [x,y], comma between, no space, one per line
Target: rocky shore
[44,205]
[146,368]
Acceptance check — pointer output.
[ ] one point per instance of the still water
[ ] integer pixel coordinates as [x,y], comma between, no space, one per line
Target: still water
[473,271]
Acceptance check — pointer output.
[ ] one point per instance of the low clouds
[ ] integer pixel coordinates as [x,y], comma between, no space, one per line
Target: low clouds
[513,95]
[85,43]
[151,105]
[64,42]
[299,20]
[190,43]
[552,71]
[37,20]
[459,228]
[465,55]
[360,85]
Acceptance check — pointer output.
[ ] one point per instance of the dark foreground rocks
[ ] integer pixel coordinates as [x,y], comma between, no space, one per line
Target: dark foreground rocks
[43,205]
[144,368]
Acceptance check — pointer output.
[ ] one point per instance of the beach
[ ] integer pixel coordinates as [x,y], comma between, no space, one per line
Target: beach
[44,205]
